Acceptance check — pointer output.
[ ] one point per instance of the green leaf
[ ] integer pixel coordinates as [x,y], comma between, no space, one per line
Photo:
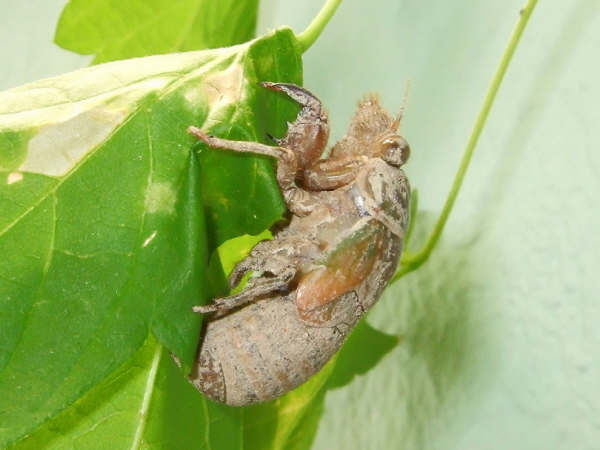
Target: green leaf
[236,203]
[102,230]
[144,404]
[130,28]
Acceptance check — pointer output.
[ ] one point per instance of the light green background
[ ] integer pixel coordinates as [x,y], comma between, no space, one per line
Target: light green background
[501,341]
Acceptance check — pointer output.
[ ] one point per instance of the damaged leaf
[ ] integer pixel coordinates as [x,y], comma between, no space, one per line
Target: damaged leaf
[102,233]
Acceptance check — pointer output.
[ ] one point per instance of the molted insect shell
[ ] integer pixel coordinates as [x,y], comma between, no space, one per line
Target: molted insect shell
[313,282]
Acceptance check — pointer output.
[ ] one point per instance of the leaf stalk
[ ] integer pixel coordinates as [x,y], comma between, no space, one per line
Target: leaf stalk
[410,262]
[308,37]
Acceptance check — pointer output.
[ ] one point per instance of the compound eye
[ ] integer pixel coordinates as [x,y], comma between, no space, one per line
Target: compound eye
[405,149]
[396,151]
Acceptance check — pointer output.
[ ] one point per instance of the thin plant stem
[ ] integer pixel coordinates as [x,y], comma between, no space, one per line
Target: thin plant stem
[313,31]
[413,261]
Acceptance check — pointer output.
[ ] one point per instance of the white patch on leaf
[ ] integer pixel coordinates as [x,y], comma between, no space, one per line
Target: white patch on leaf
[224,88]
[14,177]
[160,198]
[149,239]
[58,147]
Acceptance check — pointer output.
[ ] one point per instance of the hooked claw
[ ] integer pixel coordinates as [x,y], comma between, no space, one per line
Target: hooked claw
[300,95]
[307,135]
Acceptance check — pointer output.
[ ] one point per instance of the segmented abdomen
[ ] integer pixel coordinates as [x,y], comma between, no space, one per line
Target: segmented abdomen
[262,351]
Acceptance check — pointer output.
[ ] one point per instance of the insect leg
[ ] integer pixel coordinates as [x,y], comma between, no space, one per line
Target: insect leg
[258,263]
[297,200]
[258,289]
[286,161]
[329,174]
[307,136]
[300,95]
[238,146]
[241,269]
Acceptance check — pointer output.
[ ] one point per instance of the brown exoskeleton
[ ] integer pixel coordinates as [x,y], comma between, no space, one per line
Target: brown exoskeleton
[312,283]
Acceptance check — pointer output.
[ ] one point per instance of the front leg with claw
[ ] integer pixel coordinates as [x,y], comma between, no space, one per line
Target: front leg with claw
[255,290]
[298,201]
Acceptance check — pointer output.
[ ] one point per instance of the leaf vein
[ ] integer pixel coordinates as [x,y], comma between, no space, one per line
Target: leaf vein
[146,400]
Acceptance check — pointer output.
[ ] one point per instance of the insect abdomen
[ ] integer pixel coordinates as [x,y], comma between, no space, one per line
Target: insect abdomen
[261,352]
[264,349]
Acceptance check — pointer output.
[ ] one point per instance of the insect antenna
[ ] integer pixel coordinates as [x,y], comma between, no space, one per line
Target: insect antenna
[396,122]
